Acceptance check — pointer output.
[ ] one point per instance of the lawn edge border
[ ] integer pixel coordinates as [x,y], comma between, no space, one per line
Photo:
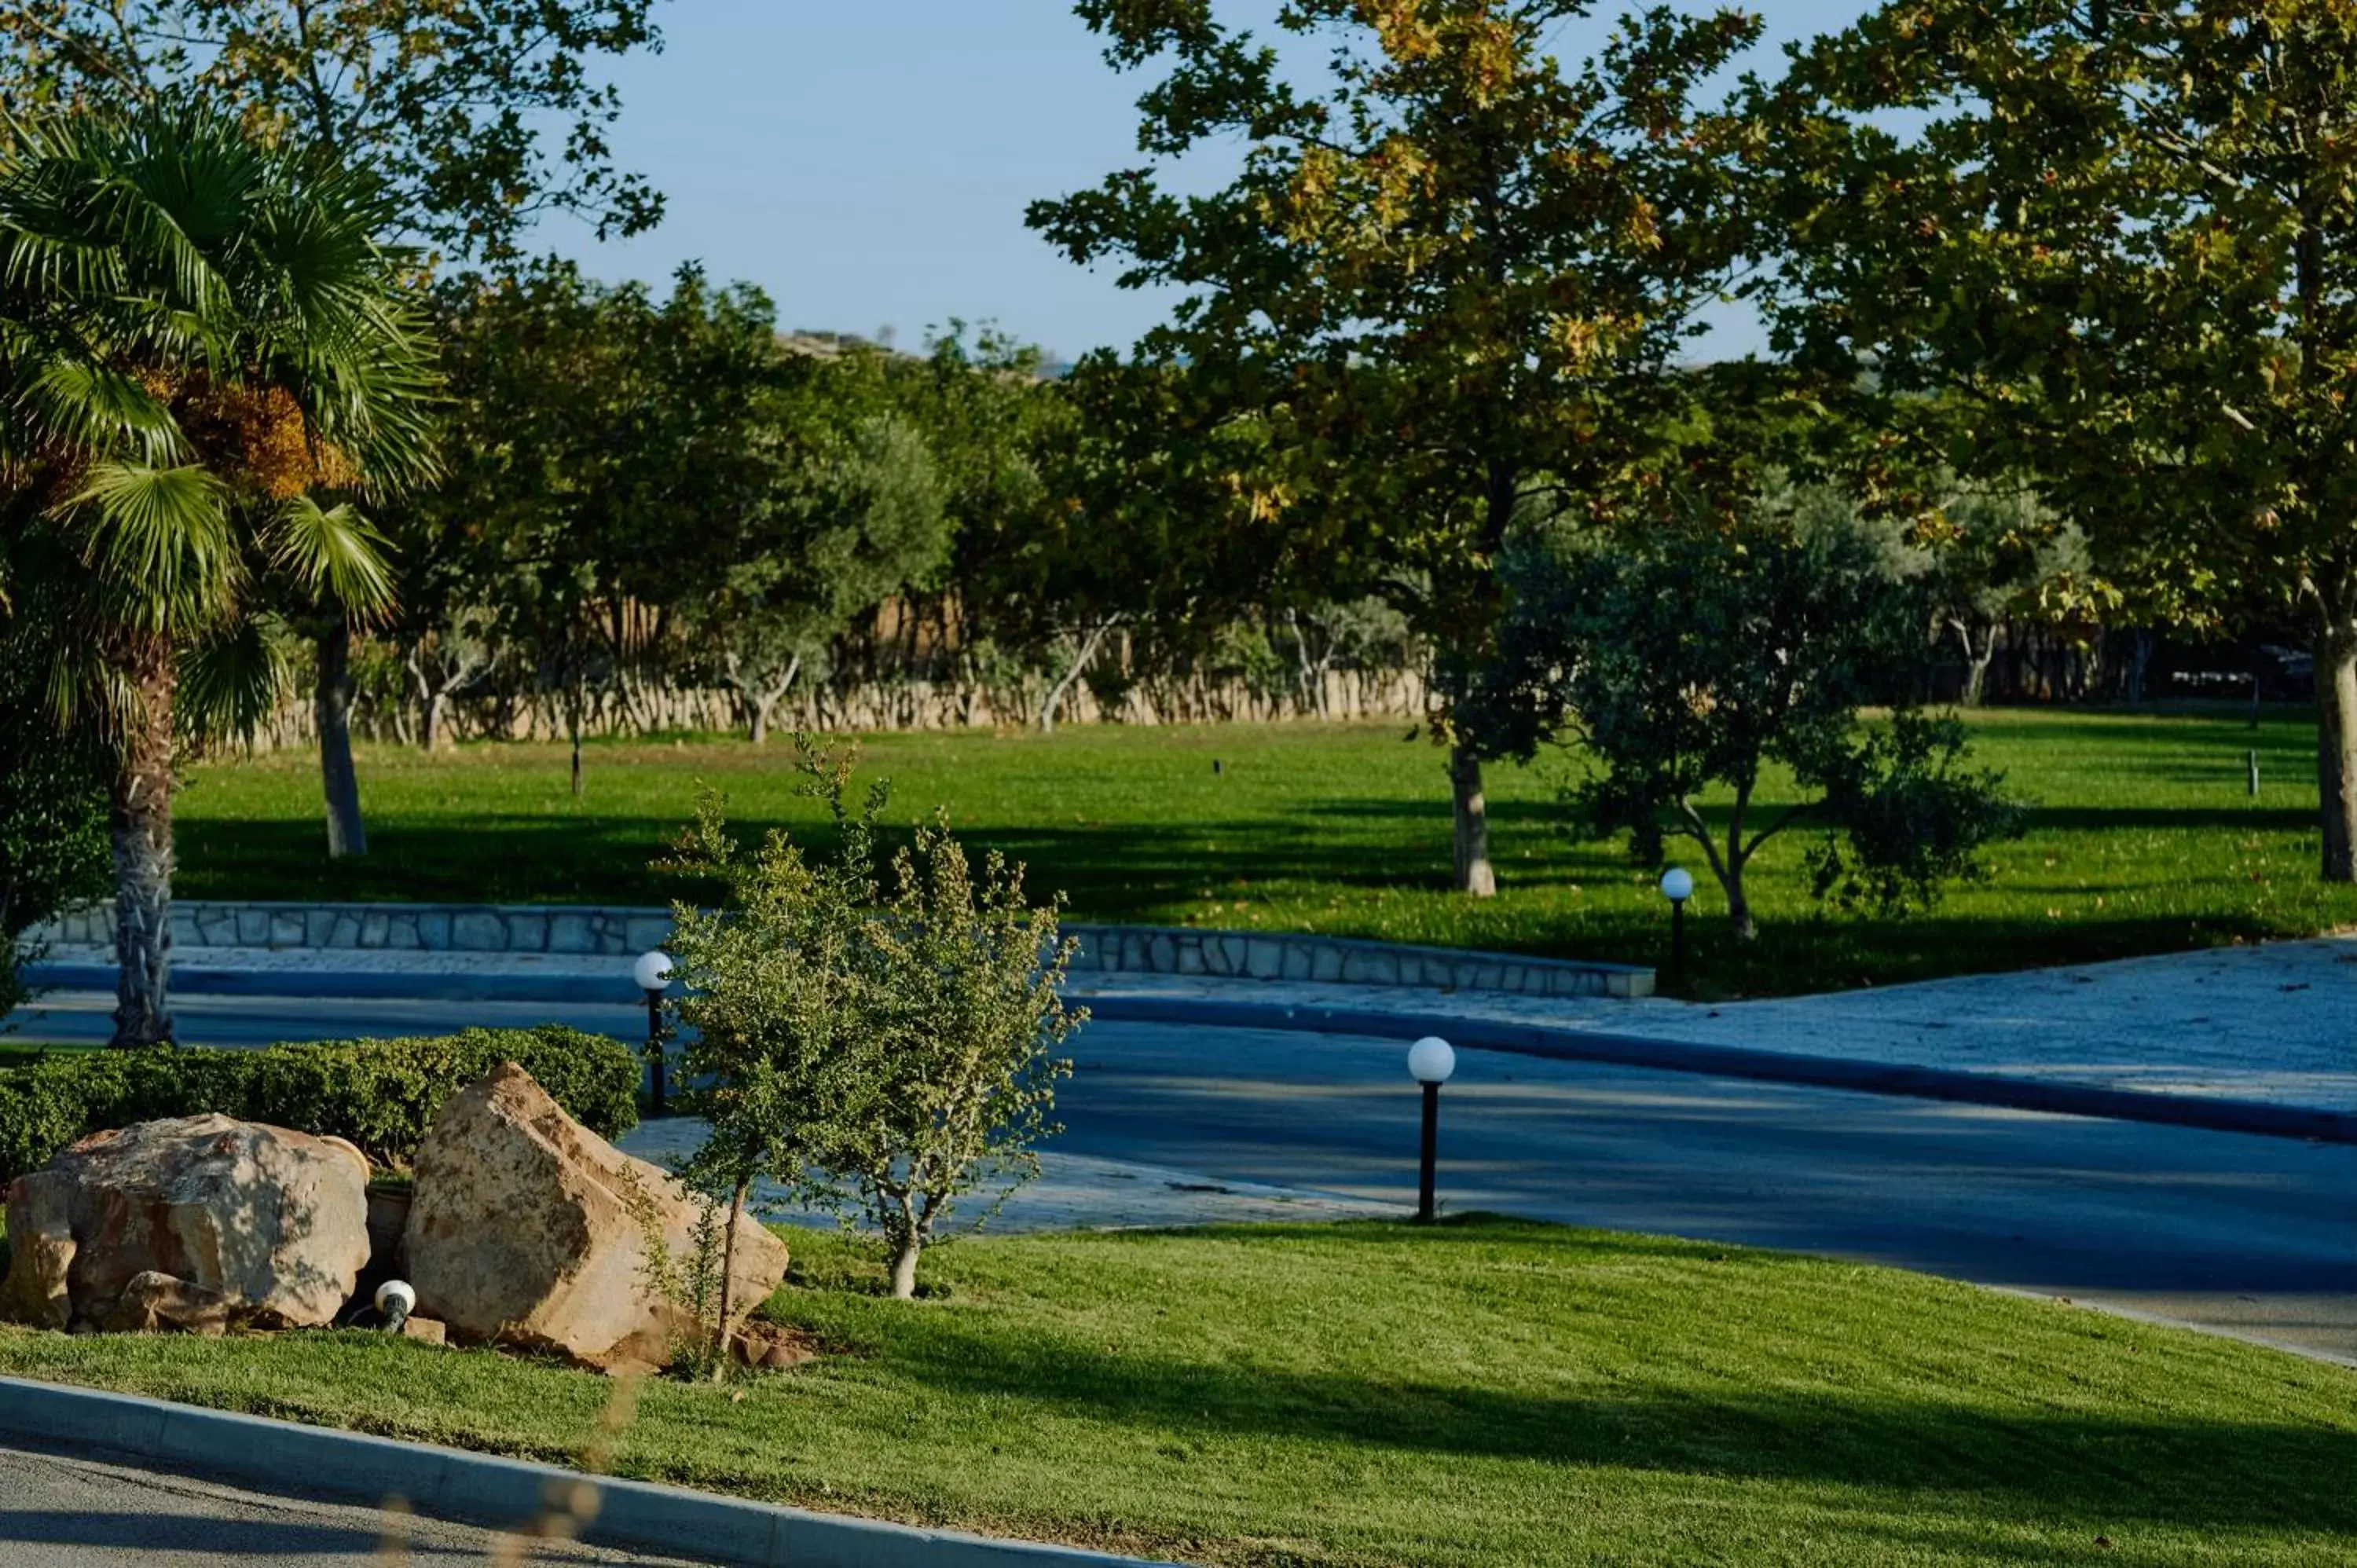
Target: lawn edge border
[287,1458]
[2058,1097]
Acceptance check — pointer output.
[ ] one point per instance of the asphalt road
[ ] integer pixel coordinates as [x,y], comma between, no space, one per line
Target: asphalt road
[80,1512]
[2245,1235]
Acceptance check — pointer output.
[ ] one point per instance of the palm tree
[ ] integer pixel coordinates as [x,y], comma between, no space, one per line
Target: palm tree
[207,355]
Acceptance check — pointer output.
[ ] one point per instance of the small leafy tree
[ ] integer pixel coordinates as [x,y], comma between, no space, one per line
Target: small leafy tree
[1704,653]
[969,981]
[882,1053]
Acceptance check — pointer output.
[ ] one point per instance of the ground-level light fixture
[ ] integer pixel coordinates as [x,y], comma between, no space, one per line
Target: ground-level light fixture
[652,971]
[1677,886]
[1430,1061]
[396,1300]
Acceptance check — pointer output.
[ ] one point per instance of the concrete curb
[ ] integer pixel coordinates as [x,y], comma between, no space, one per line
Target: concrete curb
[447,1483]
[2204,1111]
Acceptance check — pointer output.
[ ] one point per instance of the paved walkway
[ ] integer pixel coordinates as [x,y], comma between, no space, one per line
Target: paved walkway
[1073,1192]
[2274,1024]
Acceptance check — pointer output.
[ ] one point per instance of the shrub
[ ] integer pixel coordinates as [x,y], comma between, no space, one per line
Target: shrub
[381,1094]
[53,849]
[881,1038]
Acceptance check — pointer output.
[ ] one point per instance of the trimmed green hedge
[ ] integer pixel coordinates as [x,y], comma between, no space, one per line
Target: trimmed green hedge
[381,1094]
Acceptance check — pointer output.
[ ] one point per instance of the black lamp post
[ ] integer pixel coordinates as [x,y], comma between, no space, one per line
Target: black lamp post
[1430,1061]
[1677,886]
[652,971]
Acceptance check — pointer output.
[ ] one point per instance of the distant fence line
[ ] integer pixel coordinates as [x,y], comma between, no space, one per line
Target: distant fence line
[913,704]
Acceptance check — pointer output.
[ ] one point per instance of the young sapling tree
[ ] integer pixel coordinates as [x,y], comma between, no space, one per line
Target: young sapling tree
[970,1017]
[881,1051]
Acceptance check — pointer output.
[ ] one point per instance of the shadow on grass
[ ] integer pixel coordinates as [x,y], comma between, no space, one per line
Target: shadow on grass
[2035,1460]
[1356,866]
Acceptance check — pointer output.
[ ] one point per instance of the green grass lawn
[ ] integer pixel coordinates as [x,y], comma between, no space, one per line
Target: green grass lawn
[1484,1392]
[2145,840]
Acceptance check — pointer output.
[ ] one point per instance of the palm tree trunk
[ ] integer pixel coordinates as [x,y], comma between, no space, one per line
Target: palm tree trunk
[332,707]
[141,829]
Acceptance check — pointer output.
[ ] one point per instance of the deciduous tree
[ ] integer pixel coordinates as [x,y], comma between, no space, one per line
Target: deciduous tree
[2120,243]
[880,1040]
[1452,275]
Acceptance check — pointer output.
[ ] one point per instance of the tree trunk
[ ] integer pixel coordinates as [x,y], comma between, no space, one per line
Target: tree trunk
[765,705]
[331,707]
[575,698]
[904,1267]
[1079,667]
[1475,875]
[1739,904]
[727,1282]
[2336,746]
[140,824]
[1977,662]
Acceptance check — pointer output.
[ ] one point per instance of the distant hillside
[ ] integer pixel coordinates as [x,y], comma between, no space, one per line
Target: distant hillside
[1053,366]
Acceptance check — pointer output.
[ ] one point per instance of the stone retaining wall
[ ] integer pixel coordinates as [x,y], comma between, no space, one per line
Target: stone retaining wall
[1272,955]
[400,928]
[618,932]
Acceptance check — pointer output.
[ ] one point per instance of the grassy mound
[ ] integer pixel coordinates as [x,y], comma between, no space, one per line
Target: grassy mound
[1485,1392]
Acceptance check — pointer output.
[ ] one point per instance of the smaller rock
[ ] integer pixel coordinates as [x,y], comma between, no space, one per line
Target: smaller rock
[426,1330]
[41,1239]
[155,1302]
[757,1343]
[272,1221]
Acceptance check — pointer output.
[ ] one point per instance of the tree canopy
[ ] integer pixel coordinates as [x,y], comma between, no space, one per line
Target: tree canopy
[1453,276]
[205,344]
[480,116]
[2117,246]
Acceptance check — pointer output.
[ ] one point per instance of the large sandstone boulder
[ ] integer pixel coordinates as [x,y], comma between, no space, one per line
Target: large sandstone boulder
[529,1229]
[199,1222]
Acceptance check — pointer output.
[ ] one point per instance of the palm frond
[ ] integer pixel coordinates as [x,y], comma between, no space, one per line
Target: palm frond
[335,552]
[80,688]
[160,540]
[95,406]
[231,682]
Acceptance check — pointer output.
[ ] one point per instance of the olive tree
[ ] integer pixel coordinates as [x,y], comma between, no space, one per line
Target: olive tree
[1695,656]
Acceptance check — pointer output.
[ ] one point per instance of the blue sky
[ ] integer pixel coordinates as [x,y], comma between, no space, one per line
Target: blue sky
[868,161]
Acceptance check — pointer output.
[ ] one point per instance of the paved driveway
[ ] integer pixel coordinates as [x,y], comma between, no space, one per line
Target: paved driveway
[83,1512]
